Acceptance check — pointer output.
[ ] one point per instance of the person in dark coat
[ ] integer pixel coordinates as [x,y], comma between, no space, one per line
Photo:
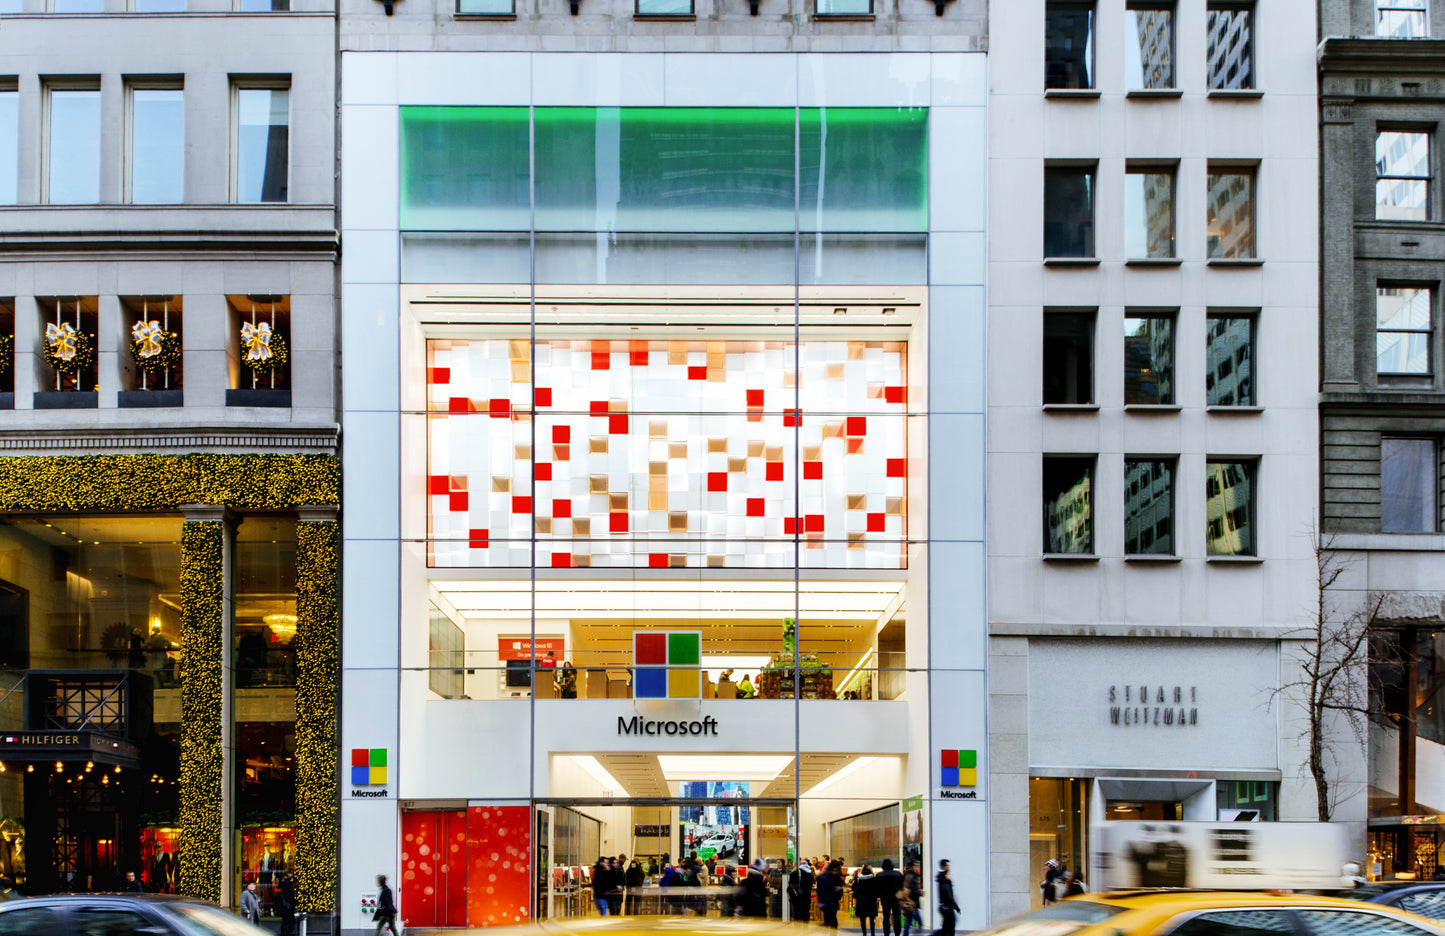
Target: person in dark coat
[830,894]
[385,915]
[800,892]
[284,901]
[908,909]
[1052,873]
[634,879]
[755,890]
[601,884]
[132,884]
[865,900]
[947,904]
[728,904]
[888,883]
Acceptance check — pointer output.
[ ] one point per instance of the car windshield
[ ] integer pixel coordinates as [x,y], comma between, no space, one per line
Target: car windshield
[1058,919]
[200,920]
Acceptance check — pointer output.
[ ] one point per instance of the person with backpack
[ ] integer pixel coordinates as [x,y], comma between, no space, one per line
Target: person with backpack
[909,898]
[800,892]
[947,904]
[889,883]
[865,900]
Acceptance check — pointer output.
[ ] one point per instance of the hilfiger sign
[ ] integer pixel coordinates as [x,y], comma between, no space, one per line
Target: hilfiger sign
[368,770]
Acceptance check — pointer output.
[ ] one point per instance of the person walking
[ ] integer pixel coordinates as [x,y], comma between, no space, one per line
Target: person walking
[947,904]
[251,905]
[830,894]
[865,900]
[908,906]
[755,889]
[285,899]
[800,892]
[632,881]
[728,902]
[601,884]
[385,907]
[888,883]
[1052,873]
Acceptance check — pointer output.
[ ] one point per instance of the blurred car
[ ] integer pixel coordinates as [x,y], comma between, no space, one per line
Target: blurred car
[1422,898]
[1213,913]
[118,915]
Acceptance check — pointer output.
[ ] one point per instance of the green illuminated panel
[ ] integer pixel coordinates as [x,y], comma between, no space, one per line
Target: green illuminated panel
[664,169]
[863,169]
[464,169]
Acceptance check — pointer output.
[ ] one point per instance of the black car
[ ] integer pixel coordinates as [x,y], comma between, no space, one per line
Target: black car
[1423,898]
[118,915]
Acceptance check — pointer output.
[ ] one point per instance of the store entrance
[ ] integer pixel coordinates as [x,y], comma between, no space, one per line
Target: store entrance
[716,853]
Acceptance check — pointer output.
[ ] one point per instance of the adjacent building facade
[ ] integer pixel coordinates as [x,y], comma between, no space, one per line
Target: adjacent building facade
[168,547]
[664,328]
[1152,428]
[1381,98]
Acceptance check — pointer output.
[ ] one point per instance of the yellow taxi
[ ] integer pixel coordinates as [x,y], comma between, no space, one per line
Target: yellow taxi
[1213,913]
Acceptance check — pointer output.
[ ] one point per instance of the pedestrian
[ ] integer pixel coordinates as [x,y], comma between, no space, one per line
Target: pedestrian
[616,880]
[601,883]
[634,879]
[755,889]
[908,904]
[947,904]
[385,907]
[251,905]
[285,898]
[865,900]
[889,883]
[728,904]
[132,884]
[830,894]
[1052,872]
[800,892]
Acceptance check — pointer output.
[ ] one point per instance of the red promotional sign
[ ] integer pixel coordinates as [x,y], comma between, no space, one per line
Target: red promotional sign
[520,648]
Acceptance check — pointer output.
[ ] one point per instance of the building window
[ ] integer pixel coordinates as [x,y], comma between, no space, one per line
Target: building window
[262,143]
[1230,49]
[1229,361]
[77,6]
[1409,485]
[1068,211]
[73,146]
[1069,357]
[1149,360]
[157,145]
[1230,218]
[1069,46]
[1149,213]
[263,6]
[1229,508]
[664,7]
[1068,504]
[1402,175]
[1402,19]
[1402,330]
[1148,507]
[844,7]
[485,7]
[1148,47]
[158,6]
[10,150]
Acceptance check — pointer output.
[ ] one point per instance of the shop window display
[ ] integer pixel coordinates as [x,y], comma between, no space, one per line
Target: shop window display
[693,445]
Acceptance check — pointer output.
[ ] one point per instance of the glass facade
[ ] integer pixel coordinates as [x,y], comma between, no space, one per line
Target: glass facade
[670,403]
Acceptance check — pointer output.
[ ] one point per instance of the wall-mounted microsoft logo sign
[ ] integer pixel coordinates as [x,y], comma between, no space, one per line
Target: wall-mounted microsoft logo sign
[667,664]
[368,766]
[960,768]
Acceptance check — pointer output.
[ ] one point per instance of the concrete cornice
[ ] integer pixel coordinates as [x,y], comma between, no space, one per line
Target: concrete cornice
[1387,56]
[122,441]
[1140,631]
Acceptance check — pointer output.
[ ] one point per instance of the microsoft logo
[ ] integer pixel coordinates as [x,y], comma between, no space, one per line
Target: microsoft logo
[368,766]
[960,768]
[667,664]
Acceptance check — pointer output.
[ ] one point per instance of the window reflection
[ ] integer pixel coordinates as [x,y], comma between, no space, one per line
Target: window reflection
[1149,360]
[262,144]
[1148,48]
[1069,46]
[1149,507]
[1069,357]
[1068,211]
[74,147]
[1230,50]
[157,163]
[1229,361]
[1402,173]
[1409,483]
[1068,505]
[1230,214]
[1402,330]
[1229,508]
[9,130]
[1148,214]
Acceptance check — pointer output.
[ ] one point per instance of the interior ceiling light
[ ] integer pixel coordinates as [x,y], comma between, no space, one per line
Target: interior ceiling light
[282,625]
[844,771]
[599,773]
[762,767]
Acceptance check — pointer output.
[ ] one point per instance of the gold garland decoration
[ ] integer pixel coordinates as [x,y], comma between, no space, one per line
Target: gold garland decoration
[158,482]
[68,350]
[265,348]
[202,757]
[7,353]
[318,666]
[155,350]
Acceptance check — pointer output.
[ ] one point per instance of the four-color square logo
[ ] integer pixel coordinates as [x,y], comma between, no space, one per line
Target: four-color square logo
[667,664]
[368,766]
[960,768]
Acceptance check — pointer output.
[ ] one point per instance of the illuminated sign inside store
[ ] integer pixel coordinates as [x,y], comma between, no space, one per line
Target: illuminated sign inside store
[368,768]
[667,665]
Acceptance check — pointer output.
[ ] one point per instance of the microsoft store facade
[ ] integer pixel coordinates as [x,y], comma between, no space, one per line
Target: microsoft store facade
[663,382]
